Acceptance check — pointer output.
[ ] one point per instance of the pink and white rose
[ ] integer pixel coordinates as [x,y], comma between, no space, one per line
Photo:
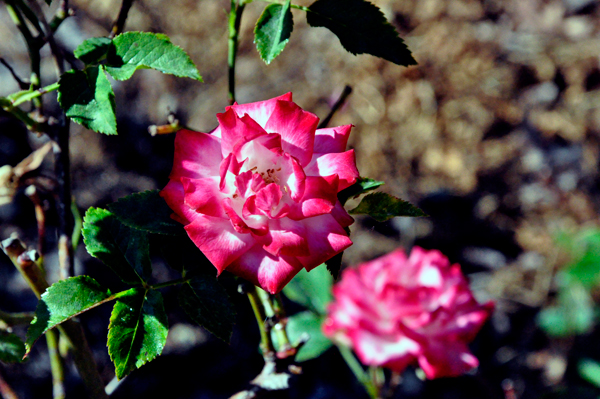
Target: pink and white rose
[258,194]
[394,311]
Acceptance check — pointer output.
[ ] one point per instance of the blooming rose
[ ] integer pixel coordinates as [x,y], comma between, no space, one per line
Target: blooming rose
[258,194]
[396,310]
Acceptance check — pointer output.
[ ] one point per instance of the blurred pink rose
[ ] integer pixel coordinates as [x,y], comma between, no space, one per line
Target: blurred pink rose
[394,311]
[258,195]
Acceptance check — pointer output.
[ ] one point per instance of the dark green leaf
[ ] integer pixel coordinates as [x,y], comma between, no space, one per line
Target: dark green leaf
[273,30]
[311,289]
[334,265]
[63,300]
[590,371]
[207,303]
[573,314]
[146,211]
[91,51]
[310,323]
[137,331]
[88,99]
[361,28]
[134,50]
[382,207]
[12,349]
[123,249]
[362,186]
[182,254]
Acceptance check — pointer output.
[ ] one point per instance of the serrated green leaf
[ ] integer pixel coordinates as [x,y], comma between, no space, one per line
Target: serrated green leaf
[12,348]
[88,99]
[182,254]
[206,302]
[123,249]
[309,323]
[361,28]
[362,186]
[382,207]
[91,51]
[146,211]
[137,331]
[62,301]
[311,289]
[573,314]
[135,50]
[590,371]
[273,30]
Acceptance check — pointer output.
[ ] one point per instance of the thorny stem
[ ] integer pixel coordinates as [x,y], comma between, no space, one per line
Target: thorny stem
[169,283]
[119,24]
[40,217]
[266,344]
[56,365]
[358,371]
[24,261]
[338,104]
[35,94]
[235,19]
[22,84]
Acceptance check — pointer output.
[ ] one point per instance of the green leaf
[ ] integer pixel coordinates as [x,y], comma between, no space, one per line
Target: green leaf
[573,314]
[382,207]
[589,370]
[334,265]
[62,301]
[311,289]
[12,349]
[206,302]
[137,331]
[88,99]
[361,28]
[123,249]
[146,211]
[273,30]
[362,186]
[585,251]
[309,323]
[182,254]
[135,50]
[91,51]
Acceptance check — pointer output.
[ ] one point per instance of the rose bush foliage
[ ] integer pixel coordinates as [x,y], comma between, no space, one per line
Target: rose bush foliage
[258,194]
[394,311]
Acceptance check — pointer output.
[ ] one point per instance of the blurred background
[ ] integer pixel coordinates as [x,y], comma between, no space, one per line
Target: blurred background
[495,134]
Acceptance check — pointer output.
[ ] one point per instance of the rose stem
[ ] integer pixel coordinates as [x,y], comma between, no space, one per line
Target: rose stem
[8,320]
[119,24]
[266,344]
[235,19]
[82,354]
[358,371]
[338,104]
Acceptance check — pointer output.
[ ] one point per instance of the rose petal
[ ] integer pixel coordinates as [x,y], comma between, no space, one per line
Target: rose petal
[343,164]
[297,129]
[326,238]
[218,240]
[285,237]
[260,111]
[269,272]
[235,131]
[197,155]
[174,195]
[332,139]
[202,195]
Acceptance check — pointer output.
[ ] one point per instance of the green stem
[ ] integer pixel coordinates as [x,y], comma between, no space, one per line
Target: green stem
[35,94]
[169,283]
[266,345]
[14,319]
[358,371]
[235,19]
[56,365]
